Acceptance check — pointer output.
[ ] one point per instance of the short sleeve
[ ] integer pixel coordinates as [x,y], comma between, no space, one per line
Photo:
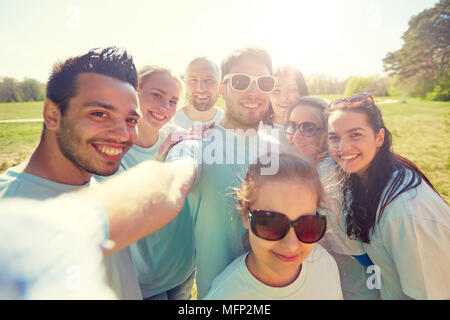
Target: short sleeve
[188,150]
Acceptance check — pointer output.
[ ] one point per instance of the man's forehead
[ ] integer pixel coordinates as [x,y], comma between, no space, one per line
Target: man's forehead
[249,65]
[202,67]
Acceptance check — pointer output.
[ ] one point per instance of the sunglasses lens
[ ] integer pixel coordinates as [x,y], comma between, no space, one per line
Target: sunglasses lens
[308,129]
[240,82]
[310,229]
[266,84]
[290,127]
[269,225]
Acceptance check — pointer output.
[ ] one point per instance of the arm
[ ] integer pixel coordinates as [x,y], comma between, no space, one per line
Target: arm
[143,199]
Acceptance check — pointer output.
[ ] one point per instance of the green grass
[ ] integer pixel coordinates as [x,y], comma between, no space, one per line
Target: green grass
[21,110]
[17,142]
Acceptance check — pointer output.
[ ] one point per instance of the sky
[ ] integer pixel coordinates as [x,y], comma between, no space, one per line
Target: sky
[336,38]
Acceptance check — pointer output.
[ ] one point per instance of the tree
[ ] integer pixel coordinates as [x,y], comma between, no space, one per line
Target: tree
[423,60]
[32,90]
[9,90]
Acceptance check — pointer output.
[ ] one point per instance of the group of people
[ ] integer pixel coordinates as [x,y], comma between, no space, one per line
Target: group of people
[145,194]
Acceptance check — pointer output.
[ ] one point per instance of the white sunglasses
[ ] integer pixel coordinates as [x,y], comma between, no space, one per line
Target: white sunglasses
[241,82]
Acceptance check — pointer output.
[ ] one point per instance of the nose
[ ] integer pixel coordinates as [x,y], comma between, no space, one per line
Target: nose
[253,87]
[201,85]
[165,104]
[290,241]
[343,144]
[122,132]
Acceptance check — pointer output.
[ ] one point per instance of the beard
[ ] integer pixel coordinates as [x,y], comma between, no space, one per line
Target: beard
[202,106]
[71,145]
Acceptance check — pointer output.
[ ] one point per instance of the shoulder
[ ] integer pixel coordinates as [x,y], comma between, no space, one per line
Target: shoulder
[224,285]
[420,202]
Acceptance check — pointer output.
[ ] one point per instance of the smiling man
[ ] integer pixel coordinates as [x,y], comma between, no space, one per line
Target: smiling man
[90,116]
[202,79]
[222,158]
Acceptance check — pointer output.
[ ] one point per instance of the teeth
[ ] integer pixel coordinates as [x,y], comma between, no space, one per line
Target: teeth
[251,105]
[158,116]
[110,151]
[349,157]
[202,97]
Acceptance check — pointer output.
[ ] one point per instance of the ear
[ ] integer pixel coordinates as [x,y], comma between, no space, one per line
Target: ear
[52,115]
[222,90]
[379,138]
[245,220]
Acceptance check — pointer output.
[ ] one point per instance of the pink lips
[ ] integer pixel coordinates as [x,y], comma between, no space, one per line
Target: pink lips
[286,258]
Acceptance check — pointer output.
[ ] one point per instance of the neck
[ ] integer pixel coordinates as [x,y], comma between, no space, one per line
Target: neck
[278,119]
[196,115]
[271,277]
[49,163]
[147,136]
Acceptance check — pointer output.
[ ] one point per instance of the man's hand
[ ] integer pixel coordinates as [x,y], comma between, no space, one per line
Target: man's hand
[177,136]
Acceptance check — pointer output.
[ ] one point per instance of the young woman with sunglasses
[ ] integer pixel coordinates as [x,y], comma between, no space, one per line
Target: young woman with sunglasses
[289,87]
[284,262]
[306,130]
[394,210]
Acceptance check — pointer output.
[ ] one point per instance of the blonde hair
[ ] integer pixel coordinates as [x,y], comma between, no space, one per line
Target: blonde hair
[146,71]
[292,167]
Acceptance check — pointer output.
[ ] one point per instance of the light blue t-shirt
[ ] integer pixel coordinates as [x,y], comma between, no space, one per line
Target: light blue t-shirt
[52,249]
[181,119]
[119,269]
[221,161]
[164,259]
[411,246]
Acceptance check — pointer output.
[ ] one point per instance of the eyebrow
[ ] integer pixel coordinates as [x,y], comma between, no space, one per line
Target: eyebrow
[107,107]
[348,131]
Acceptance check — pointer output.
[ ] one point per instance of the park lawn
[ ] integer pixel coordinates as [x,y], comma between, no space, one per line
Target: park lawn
[21,110]
[17,142]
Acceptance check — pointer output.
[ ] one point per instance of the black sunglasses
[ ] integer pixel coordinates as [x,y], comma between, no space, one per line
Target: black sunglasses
[307,129]
[274,226]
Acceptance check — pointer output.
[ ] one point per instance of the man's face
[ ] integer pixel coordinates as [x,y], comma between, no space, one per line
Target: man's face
[202,85]
[246,108]
[99,124]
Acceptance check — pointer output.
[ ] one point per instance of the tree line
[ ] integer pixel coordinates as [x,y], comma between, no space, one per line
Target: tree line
[12,90]
[419,68]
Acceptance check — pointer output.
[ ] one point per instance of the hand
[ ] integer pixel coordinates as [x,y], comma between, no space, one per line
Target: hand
[177,136]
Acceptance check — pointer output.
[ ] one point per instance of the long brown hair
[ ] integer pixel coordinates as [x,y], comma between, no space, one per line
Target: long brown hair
[378,192]
[301,87]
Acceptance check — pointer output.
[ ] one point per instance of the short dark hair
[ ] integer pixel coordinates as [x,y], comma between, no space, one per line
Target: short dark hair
[254,52]
[110,61]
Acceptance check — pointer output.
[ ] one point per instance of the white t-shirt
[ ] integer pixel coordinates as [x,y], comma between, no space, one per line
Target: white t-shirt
[181,119]
[318,280]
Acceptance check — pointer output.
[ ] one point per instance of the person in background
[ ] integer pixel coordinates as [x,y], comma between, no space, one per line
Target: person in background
[202,79]
[392,209]
[289,87]
[90,116]
[164,260]
[306,129]
[223,158]
[285,261]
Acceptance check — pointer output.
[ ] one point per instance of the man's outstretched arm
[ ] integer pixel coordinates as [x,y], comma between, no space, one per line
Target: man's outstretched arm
[142,199]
